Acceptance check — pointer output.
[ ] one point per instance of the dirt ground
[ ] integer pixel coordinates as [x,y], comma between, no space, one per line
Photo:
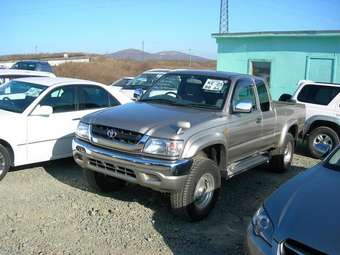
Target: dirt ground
[48,209]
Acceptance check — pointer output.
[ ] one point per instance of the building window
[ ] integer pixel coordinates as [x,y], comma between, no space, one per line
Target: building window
[261,69]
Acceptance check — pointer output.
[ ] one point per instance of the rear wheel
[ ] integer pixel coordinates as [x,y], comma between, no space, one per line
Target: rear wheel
[282,162]
[5,161]
[321,140]
[200,192]
[101,182]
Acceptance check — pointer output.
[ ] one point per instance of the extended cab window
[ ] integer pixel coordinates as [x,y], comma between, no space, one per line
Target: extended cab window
[263,95]
[244,90]
[61,99]
[318,94]
[92,97]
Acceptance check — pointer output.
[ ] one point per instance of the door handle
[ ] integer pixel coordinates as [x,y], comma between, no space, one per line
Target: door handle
[258,120]
[76,119]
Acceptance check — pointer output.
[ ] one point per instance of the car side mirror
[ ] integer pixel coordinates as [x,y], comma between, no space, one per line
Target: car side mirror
[137,94]
[328,151]
[243,106]
[42,110]
[285,98]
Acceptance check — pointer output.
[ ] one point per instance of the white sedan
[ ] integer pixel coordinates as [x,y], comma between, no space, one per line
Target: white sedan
[9,74]
[39,116]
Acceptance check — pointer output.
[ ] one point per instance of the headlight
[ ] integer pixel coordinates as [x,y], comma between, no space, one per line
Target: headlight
[83,130]
[163,147]
[263,226]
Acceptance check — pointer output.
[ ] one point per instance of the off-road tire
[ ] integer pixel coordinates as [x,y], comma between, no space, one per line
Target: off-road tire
[5,161]
[278,163]
[101,182]
[318,131]
[182,201]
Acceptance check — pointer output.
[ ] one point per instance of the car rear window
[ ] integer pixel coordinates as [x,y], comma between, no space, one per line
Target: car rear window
[318,94]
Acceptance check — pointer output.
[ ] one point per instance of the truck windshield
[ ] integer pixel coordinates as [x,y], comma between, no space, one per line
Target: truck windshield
[143,81]
[189,90]
[16,96]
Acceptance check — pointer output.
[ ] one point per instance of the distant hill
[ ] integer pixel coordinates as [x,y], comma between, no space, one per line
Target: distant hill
[134,54]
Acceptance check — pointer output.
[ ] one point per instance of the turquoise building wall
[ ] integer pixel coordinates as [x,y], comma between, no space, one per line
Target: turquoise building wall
[292,58]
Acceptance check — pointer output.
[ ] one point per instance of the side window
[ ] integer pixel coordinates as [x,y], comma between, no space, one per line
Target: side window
[318,94]
[61,99]
[92,97]
[263,96]
[244,90]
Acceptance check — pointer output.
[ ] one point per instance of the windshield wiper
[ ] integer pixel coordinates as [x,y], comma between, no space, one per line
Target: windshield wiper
[158,100]
[201,106]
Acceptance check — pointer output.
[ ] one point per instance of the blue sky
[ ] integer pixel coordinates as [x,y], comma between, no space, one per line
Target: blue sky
[101,26]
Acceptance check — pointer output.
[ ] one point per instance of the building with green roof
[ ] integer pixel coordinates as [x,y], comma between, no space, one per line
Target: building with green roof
[283,58]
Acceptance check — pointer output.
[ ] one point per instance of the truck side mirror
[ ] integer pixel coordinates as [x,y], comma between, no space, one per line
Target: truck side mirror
[137,94]
[285,98]
[243,106]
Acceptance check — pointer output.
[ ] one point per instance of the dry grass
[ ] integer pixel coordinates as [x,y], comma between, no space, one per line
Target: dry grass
[107,70]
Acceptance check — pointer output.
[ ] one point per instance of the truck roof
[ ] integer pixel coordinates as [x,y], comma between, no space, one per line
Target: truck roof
[217,74]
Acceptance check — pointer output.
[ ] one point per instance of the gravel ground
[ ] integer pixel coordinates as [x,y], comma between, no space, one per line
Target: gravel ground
[48,209]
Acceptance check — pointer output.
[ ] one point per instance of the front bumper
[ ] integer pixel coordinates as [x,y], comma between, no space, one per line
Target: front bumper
[255,245]
[158,174]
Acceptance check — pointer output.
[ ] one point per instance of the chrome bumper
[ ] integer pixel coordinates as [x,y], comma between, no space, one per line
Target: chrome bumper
[161,175]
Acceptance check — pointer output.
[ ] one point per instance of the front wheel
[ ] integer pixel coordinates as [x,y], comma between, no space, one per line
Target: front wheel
[281,163]
[200,192]
[321,140]
[5,161]
[101,182]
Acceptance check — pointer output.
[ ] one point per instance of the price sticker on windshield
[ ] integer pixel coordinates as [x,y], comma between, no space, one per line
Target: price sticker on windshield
[214,85]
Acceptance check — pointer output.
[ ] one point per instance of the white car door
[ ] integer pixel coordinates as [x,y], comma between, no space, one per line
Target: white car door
[50,137]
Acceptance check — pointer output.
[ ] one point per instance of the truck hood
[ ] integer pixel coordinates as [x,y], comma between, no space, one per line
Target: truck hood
[306,209]
[153,119]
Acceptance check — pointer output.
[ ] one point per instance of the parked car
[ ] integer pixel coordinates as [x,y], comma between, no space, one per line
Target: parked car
[185,133]
[322,127]
[122,82]
[38,117]
[302,216]
[143,81]
[9,74]
[33,65]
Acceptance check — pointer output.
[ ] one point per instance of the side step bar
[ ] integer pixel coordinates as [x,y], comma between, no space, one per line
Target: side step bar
[247,163]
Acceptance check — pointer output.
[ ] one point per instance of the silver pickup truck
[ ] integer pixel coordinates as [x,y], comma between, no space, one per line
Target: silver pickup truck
[187,132]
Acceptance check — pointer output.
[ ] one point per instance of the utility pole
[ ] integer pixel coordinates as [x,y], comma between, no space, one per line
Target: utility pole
[190,57]
[224,17]
[36,49]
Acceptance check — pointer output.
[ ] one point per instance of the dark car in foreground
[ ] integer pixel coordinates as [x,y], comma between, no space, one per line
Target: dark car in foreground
[33,65]
[302,216]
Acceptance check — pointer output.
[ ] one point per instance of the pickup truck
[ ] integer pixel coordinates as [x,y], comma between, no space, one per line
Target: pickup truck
[322,127]
[185,134]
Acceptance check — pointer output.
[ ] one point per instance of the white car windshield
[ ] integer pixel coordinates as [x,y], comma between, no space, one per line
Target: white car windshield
[143,81]
[16,96]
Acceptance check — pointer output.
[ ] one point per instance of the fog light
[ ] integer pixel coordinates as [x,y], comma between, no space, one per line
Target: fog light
[80,149]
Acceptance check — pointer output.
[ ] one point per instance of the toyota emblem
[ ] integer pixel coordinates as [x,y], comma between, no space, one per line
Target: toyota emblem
[111,133]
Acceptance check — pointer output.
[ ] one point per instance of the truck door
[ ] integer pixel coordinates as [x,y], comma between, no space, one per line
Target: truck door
[244,133]
[269,136]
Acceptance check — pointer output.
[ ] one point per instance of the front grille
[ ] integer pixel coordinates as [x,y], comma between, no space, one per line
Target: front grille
[291,247]
[112,168]
[116,134]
